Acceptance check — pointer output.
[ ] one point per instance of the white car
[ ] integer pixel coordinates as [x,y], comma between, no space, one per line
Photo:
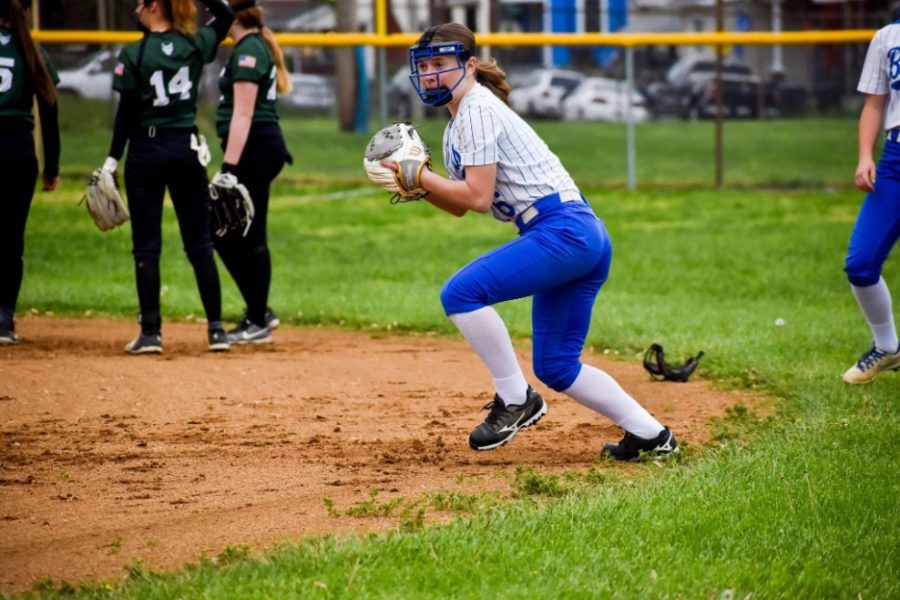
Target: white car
[311,92]
[603,99]
[542,93]
[91,78]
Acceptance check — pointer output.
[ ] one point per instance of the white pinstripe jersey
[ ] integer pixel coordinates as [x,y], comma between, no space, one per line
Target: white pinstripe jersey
[486,131]
[881,71]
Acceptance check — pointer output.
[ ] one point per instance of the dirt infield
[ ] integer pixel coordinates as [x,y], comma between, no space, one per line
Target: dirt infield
[107,458]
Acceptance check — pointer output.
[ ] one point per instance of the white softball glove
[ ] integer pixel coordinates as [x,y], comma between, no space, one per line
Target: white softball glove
[102,197]
[401,144]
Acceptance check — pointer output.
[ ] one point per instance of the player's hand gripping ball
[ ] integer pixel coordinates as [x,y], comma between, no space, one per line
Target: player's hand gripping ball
[401,144]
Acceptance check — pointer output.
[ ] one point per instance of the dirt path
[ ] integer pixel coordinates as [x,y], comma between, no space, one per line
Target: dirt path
[107,458]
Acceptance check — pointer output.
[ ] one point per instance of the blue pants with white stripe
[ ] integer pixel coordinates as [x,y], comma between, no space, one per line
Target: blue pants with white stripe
[878,223]
[562,259]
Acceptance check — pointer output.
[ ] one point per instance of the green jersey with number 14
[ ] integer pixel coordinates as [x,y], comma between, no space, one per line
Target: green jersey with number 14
[167,77]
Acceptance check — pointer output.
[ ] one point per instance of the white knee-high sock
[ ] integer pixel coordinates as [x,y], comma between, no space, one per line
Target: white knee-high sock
[601,393]
[875,302]
[487,334]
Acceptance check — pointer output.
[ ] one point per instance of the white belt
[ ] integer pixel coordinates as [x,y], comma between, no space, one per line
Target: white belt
[531,212]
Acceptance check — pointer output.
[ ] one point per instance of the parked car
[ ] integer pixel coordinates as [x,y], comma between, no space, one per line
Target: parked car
[603,99]
[689,90]
[311,92]
[91,78]
[542,93]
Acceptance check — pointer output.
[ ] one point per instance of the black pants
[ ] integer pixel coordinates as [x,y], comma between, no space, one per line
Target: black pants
[154,164]
[247,257]
[18,172]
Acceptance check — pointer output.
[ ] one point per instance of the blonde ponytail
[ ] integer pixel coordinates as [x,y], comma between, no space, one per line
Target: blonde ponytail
[283,83]
[184,17]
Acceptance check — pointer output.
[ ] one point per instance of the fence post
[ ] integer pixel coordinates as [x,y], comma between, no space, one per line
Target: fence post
[381,9]
[631,156]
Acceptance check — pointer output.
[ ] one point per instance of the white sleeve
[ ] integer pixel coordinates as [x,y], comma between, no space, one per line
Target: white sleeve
[874,77]
[479,133]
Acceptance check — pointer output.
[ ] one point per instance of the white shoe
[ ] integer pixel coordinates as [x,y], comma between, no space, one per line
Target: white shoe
[871,364]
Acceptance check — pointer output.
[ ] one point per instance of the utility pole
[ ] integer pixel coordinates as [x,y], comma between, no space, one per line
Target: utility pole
[720,94]
[345,67]
[102,18]
[38,137]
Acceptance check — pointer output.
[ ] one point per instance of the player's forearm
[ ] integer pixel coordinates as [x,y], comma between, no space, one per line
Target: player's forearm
[238,132]
[870,124]
[49,114]
[126,119]
[444,205]
[459,195]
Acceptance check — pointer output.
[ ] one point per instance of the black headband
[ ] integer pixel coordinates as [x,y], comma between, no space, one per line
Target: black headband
[425,40]
[244,5]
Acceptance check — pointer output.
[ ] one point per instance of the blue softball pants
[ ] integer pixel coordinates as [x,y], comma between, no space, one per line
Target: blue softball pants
[561,258]
[877,226]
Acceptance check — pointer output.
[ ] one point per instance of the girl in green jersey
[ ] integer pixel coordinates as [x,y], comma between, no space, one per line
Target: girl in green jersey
[25,74]
[255,153]
[157,80]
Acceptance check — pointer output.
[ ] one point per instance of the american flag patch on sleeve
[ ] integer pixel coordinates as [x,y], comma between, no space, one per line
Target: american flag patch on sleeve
[120,69]
[246,60]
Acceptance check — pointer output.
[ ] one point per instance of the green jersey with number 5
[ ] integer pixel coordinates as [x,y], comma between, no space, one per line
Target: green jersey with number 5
[250,61]
[165,74]
[16,88]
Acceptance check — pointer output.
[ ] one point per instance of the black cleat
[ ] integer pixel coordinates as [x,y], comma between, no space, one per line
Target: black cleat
[248,332]
[272,320]
[7,327]
[145,344]
[631,446]
[8,336]
[503,422]
[218,340]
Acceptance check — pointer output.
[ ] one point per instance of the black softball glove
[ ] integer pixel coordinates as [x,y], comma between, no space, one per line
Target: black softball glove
[230,204]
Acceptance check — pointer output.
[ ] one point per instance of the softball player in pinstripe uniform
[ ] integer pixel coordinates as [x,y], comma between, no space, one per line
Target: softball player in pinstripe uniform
[562,256]
[877,226]
[26,73]
[157,80]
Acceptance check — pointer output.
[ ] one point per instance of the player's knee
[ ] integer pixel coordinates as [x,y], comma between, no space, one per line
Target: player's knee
[145,252]
[457,297]
[862,272]
[259,249]
[199,252]
[557,374]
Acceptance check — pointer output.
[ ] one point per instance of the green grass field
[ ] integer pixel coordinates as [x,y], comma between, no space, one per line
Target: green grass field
[796,506]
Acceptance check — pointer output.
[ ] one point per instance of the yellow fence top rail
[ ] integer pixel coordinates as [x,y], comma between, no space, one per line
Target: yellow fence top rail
[507,39]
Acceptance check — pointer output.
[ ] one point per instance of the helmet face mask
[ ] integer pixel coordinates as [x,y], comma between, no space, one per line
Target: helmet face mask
[440,94]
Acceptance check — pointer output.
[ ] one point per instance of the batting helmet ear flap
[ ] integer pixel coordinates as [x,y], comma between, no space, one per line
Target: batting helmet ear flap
[655,364]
